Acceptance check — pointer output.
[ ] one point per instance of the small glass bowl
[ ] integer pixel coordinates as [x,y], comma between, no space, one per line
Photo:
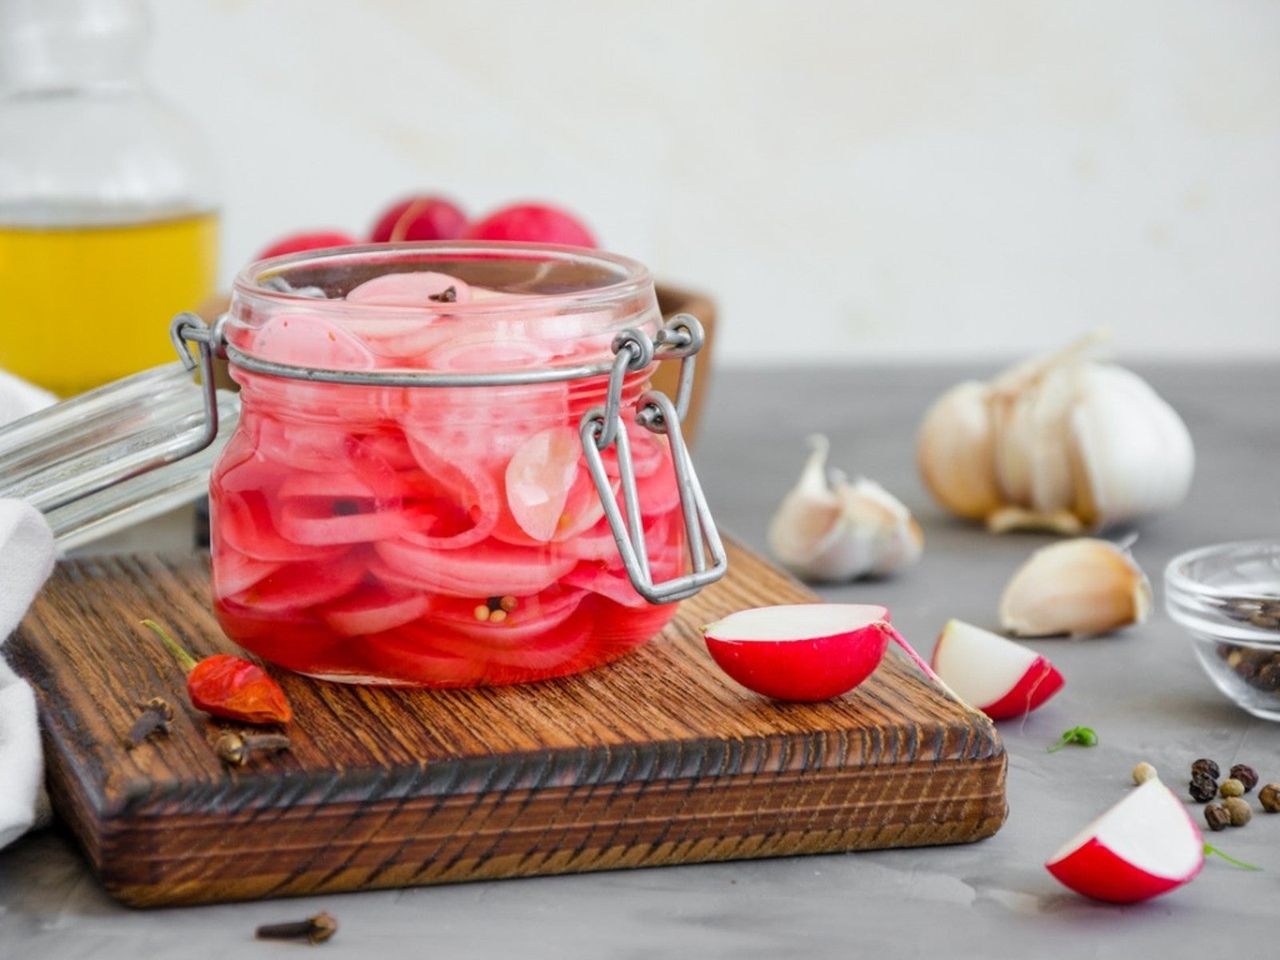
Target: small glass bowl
[1228,597]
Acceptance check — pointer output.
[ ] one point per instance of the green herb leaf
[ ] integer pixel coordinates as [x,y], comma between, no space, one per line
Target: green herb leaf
[1080,736]
[1211,850]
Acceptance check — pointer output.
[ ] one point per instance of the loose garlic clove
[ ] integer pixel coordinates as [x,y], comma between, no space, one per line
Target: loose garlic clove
[955,452]
[839,531]
[1079,587]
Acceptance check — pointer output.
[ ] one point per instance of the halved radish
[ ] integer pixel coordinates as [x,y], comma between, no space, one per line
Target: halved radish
[1145,845]
[999,677]
[374,609]
[805,651]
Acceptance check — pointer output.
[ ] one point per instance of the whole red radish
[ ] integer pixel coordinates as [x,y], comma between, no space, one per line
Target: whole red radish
[804,651]
[999,677]
[309,240]
[532,223]
[1145,845]
[425,217]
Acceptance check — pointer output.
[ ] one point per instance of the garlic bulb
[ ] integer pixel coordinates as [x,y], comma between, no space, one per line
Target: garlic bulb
[833,530]
[1079,587]
[1060,442]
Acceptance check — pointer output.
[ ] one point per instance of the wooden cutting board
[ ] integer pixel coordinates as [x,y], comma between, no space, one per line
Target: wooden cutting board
[655,759]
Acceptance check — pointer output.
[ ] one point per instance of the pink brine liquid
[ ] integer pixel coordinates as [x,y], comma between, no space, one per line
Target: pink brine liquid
[429,536]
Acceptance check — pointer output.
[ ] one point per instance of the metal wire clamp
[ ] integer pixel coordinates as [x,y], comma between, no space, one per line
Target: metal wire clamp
[602,427]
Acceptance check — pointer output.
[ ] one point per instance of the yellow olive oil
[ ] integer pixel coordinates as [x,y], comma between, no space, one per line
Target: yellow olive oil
[83,305]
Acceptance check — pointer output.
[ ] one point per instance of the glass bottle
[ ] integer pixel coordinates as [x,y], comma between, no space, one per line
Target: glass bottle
[107,214]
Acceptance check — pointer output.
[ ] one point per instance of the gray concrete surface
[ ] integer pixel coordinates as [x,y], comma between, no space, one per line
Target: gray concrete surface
[1142,690]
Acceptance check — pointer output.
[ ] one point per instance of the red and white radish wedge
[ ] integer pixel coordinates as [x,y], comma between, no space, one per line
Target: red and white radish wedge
[804,651]
[999,677]
[1146,845]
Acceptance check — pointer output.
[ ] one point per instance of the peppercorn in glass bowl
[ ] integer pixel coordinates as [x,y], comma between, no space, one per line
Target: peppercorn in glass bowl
[1228,597]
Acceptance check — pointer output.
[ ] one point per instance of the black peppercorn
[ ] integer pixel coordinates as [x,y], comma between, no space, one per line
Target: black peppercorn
[1203,788]
[1215,814]
[1205,767]
[1247,776]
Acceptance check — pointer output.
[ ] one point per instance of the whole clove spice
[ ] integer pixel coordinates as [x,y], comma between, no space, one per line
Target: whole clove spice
[237,750]
[315,929]
[157,714]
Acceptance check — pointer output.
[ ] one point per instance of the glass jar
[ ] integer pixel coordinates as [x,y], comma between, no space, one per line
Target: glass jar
[100,182]
[449,469]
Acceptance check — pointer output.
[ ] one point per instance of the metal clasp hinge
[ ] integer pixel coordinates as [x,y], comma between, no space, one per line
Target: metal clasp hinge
[602,427]
[191,327]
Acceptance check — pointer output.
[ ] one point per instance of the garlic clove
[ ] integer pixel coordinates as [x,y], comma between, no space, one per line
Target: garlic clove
[1134,450]
[955,452]
[1009,519]
[833,530]
[1080,587]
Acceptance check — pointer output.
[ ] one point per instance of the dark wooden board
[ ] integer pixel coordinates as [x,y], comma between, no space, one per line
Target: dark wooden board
[655,759]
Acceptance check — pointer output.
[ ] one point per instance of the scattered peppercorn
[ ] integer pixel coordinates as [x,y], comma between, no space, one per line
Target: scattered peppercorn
[315,929]
[1215,814]
[1247,776]
[1205,767]
[1238,810]
[509,603]
[1203,788]
[1231,787]
[1269,797]
[1144,772]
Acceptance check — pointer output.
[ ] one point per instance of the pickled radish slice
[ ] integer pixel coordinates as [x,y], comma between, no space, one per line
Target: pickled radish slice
[305,340]
[556,645]
[235,572]
[296,586]
[411,654]
[478,354]
[323,521]
[243,520]
[538,480]
[531,617]
[497,570]
[411,290]
[374,609]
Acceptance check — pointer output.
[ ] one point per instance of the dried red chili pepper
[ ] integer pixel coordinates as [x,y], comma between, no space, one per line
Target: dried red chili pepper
[227,686]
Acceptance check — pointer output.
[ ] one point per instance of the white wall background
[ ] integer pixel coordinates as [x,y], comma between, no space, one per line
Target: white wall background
[916,178]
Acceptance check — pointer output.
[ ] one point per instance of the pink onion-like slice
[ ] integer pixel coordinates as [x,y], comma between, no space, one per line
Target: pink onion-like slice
[531,617]
[243,520]
[496,570]
[298,586]
[322,521]
[411,289]
[374,609]
[555,645]
[234,572]
[306,340]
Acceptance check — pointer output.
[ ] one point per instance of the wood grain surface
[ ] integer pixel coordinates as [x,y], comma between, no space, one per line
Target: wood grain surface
[655,759]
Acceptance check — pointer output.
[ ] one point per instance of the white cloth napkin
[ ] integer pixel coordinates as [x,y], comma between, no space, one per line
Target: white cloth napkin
[26,560]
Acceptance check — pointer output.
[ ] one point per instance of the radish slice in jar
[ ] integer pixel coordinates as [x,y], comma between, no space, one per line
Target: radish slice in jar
[538,479]
[532,616]
[553,646]
[464,485]
[297,586]
[411,654]
[498,570]
[329,520]
[305,340]
[243,520]
[235,572]
[411,290]
[374,609]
